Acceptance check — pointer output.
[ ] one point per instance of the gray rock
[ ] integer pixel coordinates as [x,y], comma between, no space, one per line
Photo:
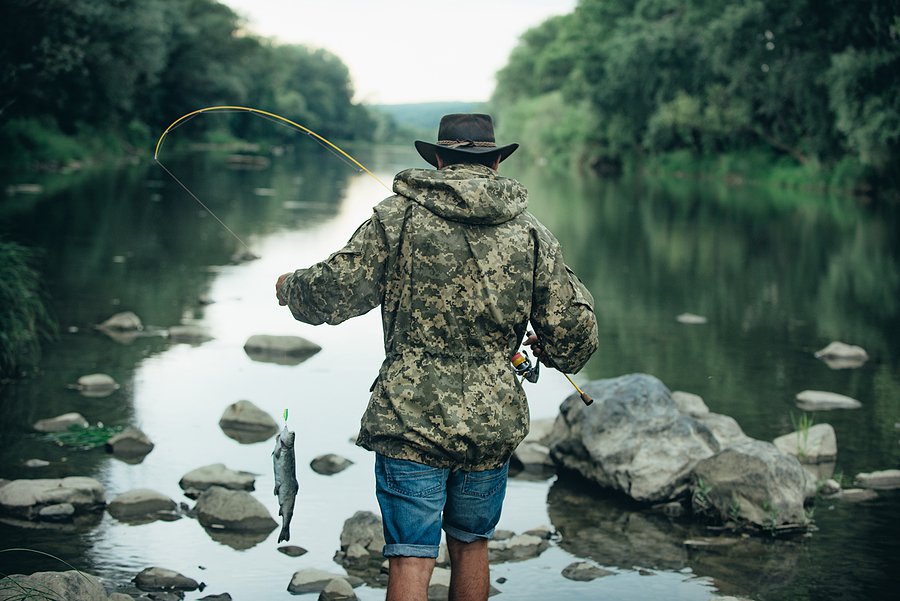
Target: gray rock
[817,444]
[311,580]
[540,430]
[544,532]
[292,550]
[517,548]
[70,585]
[839,355]
[219,597]
[329,464]
[96,385]
[142,505]
[36,463]
[337,589]
[120,597]
[247,423]
[130,443]
[533,458]
[125,321]
[60,512]
[725,428]
[162,579]
[363,529]
[228,509]
[284,350]
[755,483]
[830,487]
[196,481]
[690,403]
[706,542]
[690,319]
[820,400]
[856,495]
[882,480]
[189,334]
[26,498]
[61,423]
[584,571]
[632,439]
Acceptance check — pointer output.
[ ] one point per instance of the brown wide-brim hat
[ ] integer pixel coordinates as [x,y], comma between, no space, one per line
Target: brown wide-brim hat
[465,135]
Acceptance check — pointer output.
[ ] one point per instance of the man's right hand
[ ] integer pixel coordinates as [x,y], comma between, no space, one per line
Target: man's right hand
[531,340]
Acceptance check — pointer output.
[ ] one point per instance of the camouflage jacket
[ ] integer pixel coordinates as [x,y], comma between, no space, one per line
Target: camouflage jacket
[459,267]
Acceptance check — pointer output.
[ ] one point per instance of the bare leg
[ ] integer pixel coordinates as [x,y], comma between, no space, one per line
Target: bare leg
[408,578]
[469,572]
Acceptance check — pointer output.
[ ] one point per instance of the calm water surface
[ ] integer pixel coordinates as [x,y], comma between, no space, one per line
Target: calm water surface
[776,277]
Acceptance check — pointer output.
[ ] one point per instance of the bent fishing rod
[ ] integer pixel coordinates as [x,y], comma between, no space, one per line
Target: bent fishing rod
[528,371]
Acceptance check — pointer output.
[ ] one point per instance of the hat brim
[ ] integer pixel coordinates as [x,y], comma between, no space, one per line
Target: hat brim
[428,151]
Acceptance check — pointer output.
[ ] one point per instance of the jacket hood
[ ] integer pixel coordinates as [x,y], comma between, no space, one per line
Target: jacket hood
[467,193]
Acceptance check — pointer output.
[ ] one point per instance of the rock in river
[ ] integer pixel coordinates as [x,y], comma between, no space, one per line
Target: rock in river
[755,483]
[632,439]
[162,579]
[220,507]
[25,499]
[132,445]
[284,350]
[329,464]
[96,385]
[820,400]
[60,423]
[246,423]
[817,444]
[71,586]
[883,480]
[839,355]
[196,481]
[142,505]
[125,321]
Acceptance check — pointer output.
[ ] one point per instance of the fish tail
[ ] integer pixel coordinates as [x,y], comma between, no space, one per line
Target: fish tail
[285,533]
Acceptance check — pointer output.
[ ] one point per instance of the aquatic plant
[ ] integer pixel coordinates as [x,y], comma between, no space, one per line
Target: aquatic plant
[84,437]
[24,318]
[801,426]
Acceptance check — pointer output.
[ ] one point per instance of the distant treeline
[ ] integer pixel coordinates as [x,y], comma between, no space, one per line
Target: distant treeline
[80,77]
[809,83]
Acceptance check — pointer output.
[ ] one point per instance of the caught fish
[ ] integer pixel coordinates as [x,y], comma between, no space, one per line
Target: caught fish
[286,485]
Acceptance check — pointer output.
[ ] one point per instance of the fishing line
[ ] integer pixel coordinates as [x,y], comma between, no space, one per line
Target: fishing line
[279,120]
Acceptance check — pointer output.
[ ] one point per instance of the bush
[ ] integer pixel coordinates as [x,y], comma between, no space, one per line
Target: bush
[24,319]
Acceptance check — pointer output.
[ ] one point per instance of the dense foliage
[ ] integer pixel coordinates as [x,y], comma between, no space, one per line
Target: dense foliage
[810,82]
[78,76]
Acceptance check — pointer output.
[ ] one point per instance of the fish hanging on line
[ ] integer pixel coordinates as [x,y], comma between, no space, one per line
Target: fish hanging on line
[286,485]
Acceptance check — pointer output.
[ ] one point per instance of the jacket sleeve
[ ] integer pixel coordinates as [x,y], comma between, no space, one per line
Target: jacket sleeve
[562,310]
[348,283]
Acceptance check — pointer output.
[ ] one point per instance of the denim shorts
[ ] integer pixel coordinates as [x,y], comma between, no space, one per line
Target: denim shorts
[412,497]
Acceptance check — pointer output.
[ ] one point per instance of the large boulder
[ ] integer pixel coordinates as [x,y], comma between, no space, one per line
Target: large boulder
[632,439]
[753,484]
[196,481]
[284,350]
[27,499]
[71,585]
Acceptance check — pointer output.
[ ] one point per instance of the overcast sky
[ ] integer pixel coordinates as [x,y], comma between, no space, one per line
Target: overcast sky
[401,51]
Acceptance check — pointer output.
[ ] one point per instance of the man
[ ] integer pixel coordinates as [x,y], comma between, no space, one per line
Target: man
[459,268]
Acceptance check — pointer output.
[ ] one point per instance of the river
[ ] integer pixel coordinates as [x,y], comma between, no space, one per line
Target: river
[777,277]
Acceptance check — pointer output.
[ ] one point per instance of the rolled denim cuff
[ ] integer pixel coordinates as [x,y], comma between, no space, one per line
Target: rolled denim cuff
[401,550]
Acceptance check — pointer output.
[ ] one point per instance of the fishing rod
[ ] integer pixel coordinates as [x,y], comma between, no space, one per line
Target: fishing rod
[531,371]
[524,364]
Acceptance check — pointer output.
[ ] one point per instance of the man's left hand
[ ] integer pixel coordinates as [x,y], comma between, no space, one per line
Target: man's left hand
[278,284]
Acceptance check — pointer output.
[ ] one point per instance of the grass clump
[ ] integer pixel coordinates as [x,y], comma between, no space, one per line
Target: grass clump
[24,319]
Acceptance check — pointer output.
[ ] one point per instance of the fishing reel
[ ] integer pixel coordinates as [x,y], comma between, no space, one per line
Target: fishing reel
[525,368]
